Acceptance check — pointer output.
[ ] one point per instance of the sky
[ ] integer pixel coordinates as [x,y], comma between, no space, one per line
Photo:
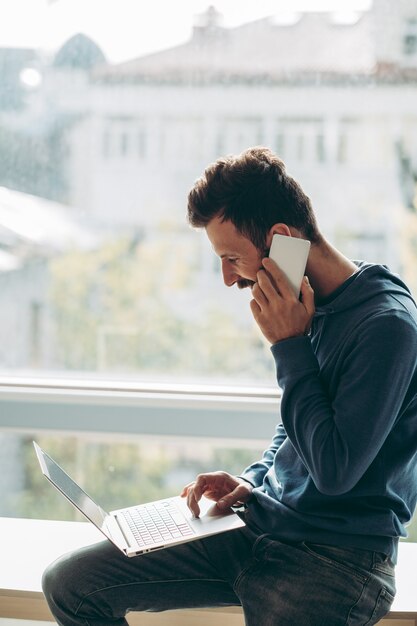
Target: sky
[126,29]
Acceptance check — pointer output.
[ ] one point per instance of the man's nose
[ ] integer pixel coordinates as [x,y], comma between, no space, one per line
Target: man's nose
[229,275]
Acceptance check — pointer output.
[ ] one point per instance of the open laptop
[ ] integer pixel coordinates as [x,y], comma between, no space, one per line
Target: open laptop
[145,527]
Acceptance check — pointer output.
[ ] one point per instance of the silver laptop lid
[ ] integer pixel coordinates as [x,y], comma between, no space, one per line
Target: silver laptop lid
[82,501]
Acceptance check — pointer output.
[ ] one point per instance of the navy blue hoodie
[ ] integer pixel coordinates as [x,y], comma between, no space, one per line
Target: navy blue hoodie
[342,467]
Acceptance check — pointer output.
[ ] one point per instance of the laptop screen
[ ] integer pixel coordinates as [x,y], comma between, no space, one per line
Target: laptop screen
[70,489]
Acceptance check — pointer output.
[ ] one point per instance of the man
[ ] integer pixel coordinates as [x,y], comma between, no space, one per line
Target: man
[328,500]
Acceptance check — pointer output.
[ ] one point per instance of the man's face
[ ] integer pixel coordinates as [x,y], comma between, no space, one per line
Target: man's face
[240,258]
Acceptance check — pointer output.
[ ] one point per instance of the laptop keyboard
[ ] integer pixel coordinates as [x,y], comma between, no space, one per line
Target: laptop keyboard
[157,522]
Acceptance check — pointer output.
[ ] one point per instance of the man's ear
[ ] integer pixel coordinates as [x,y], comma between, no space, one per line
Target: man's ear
[277,229]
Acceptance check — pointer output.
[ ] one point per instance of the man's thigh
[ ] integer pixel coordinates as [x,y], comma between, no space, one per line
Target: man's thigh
[99,583]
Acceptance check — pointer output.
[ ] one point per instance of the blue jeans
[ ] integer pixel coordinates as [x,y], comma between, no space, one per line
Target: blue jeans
[276,583]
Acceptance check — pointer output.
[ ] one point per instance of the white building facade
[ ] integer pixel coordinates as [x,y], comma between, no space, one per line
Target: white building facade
[336,100]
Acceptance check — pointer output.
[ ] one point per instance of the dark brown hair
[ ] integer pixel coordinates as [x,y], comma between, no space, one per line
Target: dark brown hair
[254,192]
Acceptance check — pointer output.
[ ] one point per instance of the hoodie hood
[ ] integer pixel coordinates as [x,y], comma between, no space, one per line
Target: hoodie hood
[369,282]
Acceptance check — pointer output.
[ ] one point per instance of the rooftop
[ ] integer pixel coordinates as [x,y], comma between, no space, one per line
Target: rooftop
[306,47]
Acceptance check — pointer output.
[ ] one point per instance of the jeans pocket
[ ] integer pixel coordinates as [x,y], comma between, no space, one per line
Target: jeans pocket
[385,567]
[338,558]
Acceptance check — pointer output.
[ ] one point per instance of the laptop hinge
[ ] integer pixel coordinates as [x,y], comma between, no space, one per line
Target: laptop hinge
[117,532]
[122,531]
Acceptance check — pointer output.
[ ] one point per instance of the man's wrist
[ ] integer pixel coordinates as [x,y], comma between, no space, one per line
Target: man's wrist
[246,480]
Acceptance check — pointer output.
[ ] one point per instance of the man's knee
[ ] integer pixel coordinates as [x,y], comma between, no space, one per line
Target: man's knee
[58,580]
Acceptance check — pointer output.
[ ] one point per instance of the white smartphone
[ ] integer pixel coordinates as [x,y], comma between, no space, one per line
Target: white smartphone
[290,254]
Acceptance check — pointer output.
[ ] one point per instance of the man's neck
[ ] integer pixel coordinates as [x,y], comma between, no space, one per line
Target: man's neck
[327,269]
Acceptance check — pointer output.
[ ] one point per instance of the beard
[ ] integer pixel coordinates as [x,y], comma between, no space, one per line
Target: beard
[244,283]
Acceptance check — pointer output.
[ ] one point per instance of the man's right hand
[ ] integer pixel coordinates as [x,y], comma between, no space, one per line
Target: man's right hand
[226,490]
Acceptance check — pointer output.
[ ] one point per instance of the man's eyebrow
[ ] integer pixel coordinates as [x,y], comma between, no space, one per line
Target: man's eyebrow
[225,254]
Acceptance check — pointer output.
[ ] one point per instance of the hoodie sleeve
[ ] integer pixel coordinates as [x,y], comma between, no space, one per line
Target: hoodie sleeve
[255,473]
[338,437]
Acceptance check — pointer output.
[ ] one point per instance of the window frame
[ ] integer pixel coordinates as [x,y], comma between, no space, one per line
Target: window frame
[113,407]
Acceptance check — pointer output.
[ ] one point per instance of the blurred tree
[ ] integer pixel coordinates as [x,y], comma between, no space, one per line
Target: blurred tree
[114,310]
[118,474]
[115,475]
[235,460]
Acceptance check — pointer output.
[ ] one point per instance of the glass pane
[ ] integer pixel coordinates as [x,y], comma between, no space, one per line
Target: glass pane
[114,473]
[106,123]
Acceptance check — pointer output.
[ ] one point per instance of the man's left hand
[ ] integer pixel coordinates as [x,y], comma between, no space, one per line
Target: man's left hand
[275,307]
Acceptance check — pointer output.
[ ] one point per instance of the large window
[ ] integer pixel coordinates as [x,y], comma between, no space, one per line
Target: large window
[103,129]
